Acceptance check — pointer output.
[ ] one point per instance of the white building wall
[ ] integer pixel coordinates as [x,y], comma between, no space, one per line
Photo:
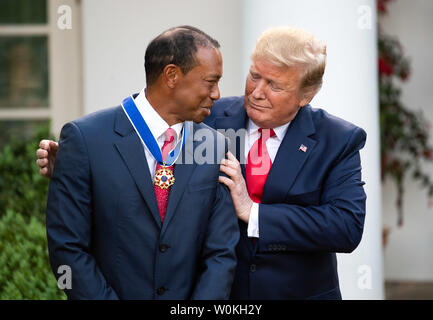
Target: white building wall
[409,253]
[116,34]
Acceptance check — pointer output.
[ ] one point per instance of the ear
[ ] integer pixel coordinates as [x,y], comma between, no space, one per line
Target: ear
[307,97]
[305,101]
[171,75]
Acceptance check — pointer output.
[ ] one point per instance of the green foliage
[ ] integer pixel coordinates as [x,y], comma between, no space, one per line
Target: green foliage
[22,188]
[24,265]
[25,272]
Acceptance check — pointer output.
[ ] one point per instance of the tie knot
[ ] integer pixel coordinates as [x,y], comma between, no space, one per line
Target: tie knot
[170,135]
[266,133]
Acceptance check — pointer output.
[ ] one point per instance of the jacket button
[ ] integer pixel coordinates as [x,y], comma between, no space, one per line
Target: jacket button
[163,248]
[253,268]
[161,290]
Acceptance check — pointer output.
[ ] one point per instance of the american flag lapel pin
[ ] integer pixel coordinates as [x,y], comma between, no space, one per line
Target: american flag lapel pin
[303,148]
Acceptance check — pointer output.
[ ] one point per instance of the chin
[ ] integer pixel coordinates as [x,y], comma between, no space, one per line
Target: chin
[255,115]
[199,119]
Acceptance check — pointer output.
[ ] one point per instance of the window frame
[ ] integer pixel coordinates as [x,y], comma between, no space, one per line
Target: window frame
[64,64]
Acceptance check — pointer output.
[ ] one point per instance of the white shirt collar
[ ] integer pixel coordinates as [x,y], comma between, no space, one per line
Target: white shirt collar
[156,124]
[280,131]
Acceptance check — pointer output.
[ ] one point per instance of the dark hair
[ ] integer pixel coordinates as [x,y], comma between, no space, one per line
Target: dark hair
[177,46]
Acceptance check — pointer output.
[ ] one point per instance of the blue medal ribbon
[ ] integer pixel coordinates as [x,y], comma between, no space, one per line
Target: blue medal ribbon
[146,136]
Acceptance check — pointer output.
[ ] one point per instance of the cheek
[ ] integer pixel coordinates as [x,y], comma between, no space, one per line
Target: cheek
[201,92]
[284,108]
[249,87]
[194,96]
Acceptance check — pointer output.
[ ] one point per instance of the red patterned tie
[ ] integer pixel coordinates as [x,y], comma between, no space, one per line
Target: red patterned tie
[162,194]
[258,165]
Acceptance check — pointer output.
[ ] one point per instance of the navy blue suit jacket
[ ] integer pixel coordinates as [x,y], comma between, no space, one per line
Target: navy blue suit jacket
[313,206]
[103,220]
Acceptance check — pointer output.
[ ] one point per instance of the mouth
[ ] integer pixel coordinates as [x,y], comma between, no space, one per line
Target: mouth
[207,109]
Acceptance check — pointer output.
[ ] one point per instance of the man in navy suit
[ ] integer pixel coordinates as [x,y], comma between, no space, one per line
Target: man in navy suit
[305,200]
[114,216]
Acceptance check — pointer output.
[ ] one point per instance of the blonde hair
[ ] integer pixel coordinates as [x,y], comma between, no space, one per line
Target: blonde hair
[293,47]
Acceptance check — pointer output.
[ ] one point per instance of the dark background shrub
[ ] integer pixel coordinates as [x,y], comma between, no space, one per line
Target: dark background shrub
[25,272]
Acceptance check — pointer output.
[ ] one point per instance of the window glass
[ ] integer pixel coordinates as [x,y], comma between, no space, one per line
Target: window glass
[23,72]
[23,12]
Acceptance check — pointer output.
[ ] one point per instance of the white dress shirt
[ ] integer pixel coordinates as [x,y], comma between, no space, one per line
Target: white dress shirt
[157,126]
[272,144]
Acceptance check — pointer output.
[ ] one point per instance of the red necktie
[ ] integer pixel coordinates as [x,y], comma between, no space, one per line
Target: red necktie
[162,194]
[258,165]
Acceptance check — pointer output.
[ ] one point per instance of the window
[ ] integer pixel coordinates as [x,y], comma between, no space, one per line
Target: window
[40,66]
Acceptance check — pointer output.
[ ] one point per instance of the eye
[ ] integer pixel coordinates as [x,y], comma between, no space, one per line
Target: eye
[254,76]
[275,87]
[212,81]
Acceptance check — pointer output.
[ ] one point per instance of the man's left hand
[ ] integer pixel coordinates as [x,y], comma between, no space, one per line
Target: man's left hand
[237,186]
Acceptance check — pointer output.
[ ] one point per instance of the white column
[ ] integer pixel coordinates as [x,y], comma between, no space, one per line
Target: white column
[350,91]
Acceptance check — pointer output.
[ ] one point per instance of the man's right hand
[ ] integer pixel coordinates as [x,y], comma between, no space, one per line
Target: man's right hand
[46,156]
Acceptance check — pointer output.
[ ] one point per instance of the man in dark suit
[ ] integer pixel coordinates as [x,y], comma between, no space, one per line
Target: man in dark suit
[114,215]
[299,197]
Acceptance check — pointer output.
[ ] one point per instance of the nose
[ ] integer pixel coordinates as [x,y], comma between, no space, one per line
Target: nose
[215,93]
[258,92]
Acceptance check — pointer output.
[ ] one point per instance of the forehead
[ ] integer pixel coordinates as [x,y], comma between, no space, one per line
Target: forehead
[209,61]
[273,72]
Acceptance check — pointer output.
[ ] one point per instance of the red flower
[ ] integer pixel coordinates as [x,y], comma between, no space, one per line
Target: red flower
[428,154]
[381,6]
[384,68]
[404,75]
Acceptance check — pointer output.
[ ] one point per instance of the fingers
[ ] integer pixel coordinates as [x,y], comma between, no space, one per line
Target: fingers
[46,147]
[44,172]
[232,164]
[232,173]
[228,182]
[231,161]
[44,144]
[41,154]
[42,163]
[54,145]
[231,157]
[232,168]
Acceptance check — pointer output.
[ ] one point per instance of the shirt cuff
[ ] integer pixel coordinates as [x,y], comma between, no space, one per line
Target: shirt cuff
[253,222]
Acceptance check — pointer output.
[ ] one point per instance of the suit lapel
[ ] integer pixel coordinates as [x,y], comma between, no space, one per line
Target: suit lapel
[235,118]
[132,152]
[234,122]
[290,159]
[182,173]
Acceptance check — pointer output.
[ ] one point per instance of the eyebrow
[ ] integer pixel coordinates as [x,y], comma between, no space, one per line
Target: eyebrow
[214,75]
[270,80]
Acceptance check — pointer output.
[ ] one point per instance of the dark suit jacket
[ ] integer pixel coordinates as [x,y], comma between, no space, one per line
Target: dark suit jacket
[313,205]
[103,220]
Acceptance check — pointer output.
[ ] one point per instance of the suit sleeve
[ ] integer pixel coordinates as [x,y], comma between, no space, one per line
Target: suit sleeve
[69,219]
[218,254]
[336,225]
